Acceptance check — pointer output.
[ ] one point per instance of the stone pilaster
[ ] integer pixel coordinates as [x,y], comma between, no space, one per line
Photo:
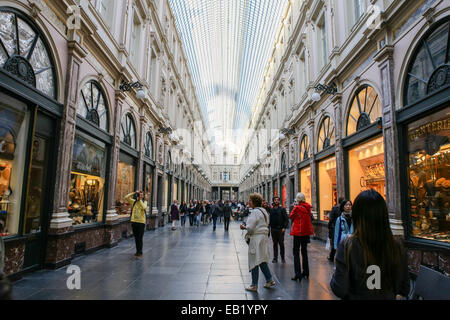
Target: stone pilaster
[339,150]
[111,214]
[313,166]
[390,136]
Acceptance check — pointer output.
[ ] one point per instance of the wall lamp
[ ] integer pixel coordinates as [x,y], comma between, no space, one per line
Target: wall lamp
[331,89]
[127,86]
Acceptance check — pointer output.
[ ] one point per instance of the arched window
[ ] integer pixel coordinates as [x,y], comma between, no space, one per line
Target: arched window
[429,68]
[304,148]
[283,162]
[326,134]
[24,52]
[148,147]
[92,105]
[364,110]
[169,161]
[128,131]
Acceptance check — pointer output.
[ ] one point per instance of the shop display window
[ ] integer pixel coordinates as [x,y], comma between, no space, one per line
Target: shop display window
[366,168]
[283,192]
[87,181]
[125,185]
[37,187]
[327,187]
[305,183]
[429,176]
[14,125]
[148,184]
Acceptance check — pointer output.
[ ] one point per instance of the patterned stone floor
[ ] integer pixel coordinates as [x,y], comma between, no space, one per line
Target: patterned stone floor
[187,264]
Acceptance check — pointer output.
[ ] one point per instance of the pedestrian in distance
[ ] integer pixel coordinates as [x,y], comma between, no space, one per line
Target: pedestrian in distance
[138,218]
[279,222]
[191,211]
[334,214]
[183,213]
[227,211]
[221,209]
[215,214]
[257,237]
[174,214]
[301,230]
[371,251]
[344,225]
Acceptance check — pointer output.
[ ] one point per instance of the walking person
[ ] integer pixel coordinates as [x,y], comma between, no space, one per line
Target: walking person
[257,227]
[301,230]
[372,244]
[279,221]
[214,214]
[344,225]
[191,211]
[198,213]
[183,213]
[203,212]
[334,214]
[227,215]
[174,214]
[221,205]
[138,218]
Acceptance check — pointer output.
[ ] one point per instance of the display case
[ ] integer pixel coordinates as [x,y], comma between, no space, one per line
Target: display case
[429,177]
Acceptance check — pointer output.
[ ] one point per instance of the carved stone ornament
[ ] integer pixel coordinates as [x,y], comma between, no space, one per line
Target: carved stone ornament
[22,69]
[363,121]
[439,79]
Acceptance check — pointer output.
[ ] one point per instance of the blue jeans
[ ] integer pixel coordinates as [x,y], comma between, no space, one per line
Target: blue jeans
[183,220]
[265,270]
[198,219]
[214,221]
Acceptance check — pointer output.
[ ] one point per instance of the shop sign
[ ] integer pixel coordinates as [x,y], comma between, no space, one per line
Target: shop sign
[88,158]
[430,133]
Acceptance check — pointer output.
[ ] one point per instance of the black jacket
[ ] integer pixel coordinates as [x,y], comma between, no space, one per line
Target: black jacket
[214,210]
[334,214]
[278,218]
[353,284]
[227,211]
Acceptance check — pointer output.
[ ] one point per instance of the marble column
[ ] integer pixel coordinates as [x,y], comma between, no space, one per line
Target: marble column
[314,188]
[60,249]
[390,136]
[339,150]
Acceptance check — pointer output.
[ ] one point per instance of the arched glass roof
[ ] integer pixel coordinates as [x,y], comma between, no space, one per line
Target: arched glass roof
[228,44]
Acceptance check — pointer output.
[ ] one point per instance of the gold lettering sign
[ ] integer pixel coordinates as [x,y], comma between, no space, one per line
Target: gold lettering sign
[429,128]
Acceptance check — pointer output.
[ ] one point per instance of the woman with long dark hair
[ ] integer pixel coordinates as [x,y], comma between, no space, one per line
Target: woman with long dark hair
[343,226]
[370,263]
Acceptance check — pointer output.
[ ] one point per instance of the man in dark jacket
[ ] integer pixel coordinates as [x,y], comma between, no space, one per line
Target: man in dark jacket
[227,215]
[220,212]
[214,214]
[279,221]
[334,214]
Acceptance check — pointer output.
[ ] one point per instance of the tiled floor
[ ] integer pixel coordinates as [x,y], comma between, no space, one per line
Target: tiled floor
[187,264]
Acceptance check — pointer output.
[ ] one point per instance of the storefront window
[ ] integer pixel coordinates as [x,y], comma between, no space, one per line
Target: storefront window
[326,134]
[364,110]
[92,105]
[87,181]
[37,187]
[128,131]
[23,52]
[429,176]
[305,183]
[14,124]
[126,173]
[304,148]
[148,183]
[327,187]
[432,54]
[283,192]
[366,168]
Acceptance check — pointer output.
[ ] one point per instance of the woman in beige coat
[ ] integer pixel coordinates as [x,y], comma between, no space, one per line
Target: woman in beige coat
[257,227]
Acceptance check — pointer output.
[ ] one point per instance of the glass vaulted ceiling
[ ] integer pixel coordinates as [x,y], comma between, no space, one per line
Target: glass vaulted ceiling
[228,44]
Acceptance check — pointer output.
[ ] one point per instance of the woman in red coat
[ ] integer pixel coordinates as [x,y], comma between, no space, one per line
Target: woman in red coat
[301,229]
